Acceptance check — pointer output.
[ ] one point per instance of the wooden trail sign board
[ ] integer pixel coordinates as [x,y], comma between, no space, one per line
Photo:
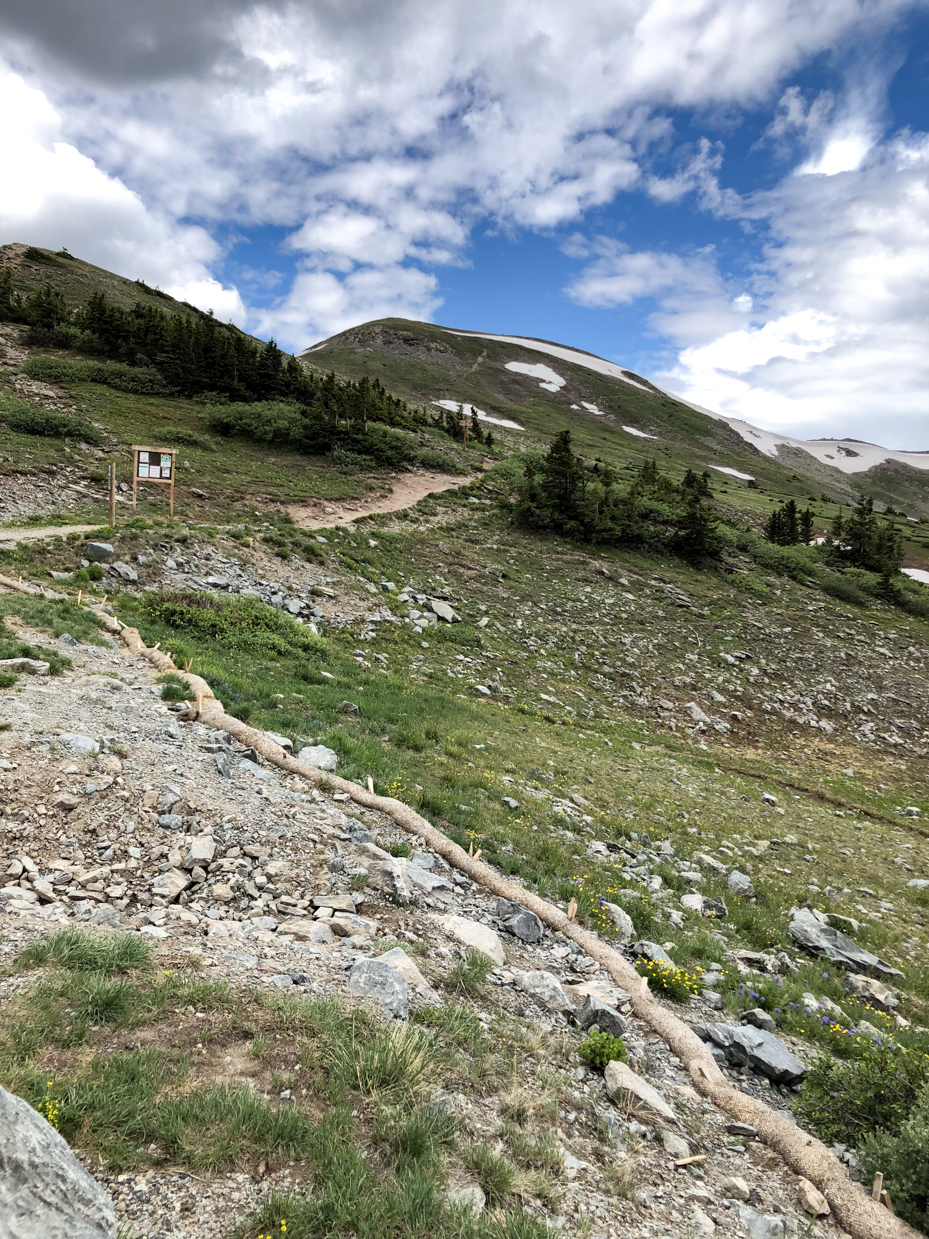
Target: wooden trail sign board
[153,464]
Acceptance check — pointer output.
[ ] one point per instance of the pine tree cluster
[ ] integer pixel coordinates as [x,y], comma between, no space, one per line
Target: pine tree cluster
[788,526]
[862,541]
[563,495]
[258,391]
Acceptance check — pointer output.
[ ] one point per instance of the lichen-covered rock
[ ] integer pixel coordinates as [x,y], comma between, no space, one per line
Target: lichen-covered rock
[370,978]
[45,1192]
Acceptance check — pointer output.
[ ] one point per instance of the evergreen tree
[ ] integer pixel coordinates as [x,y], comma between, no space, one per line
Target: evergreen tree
[697,538]
[696,483]
[10,300]
[865,542]
[476,432]
[806,527]
[783,525]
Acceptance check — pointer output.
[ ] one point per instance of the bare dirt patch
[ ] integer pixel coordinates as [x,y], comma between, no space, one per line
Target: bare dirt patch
[404,490]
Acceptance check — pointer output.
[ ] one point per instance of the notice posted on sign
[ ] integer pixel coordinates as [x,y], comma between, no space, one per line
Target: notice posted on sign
[156,466]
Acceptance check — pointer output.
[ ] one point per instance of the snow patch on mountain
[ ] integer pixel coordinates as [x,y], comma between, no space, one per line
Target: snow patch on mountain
[456,406]
[639,434]
[598,364]
[846,455]
[550,381]
[733,473]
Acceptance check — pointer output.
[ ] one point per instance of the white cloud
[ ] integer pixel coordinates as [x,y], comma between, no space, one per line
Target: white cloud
[694,302]
[838,345]
[321,304]
[52,195]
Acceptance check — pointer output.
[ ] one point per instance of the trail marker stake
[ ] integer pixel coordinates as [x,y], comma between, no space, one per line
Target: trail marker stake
[112,479]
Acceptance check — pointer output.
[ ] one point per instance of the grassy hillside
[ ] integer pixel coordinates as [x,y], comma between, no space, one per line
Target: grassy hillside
[33,268]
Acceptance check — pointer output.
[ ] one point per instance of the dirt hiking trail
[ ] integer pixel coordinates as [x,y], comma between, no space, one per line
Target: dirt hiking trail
[405,490]
[44,531]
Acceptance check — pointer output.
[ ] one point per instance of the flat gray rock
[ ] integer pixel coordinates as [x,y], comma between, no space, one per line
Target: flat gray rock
[753,1047]
[653,952]
[45,1192]
[820,939]
[740,884]
[545,990]
[77,743]
[99,552]
[636,1095]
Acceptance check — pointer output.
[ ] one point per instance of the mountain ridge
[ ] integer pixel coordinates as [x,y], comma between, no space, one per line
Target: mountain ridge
[770,440]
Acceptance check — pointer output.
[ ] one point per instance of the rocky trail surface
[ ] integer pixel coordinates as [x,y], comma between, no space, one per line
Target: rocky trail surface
[119,815]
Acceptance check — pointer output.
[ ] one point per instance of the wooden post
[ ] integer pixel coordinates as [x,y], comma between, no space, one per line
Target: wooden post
[135,476]
[878,1184]
[171,496]
[112,494]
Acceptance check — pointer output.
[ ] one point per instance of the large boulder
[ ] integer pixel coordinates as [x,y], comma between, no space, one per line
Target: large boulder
[740,884]
[371,978]
[871,992]
[808,931]
[654,953]
[755,1048]
[635,1095]
[396,877]
[45,1192]
[545,990]
[397,958]
[621,920]
[319,756]
[99,552]
[607,1018]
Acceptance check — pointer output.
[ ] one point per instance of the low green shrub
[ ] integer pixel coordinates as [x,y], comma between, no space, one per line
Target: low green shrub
[30,419]
[494,1173]
[443,462]
[174,689]
[395,1063]
[844,590]
[903,1161]
[243,624]
[470,973]
[413,1137]
[83,951]
[598,1049]
[850,1100]
[140,380]
[184,437]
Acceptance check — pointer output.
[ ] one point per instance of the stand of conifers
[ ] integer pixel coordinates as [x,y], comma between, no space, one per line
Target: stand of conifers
[857,1213]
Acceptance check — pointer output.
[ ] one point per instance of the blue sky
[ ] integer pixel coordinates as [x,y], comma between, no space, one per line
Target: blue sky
[729,196]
